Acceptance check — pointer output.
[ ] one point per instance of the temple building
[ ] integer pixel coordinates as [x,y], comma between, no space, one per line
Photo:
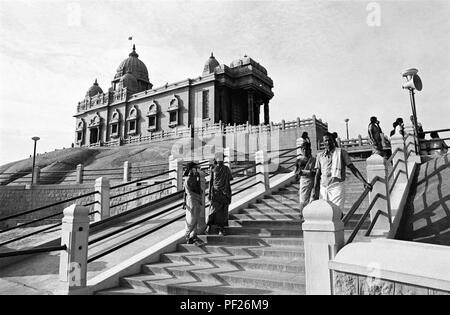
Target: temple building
[131,106]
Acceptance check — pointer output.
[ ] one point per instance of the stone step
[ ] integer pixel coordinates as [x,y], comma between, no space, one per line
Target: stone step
[263,231]
[269,211]
[265,216]
[278,207]
[240,262]
[164,284]
[225,276]
[269,251]
[289,223]
[251,241]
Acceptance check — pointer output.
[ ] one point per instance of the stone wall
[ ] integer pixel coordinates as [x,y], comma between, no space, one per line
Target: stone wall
[352,284]
[14,199]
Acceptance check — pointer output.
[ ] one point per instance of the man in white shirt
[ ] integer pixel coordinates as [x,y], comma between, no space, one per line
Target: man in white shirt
[330,173]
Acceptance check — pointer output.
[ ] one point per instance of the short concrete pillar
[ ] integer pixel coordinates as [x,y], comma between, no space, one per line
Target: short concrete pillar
[298,122]
[410,143]
[73,260]
[176,166]
[323,237]
[376,166]
[283,124]
[101,206]
[227,157]
[360,142]
[80,171]
[36,175]
[262,166]
[398,143]
[126,171]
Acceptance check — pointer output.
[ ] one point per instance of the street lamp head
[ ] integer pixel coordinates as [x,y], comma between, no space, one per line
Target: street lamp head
[346,119]
[35,138]
[413,81]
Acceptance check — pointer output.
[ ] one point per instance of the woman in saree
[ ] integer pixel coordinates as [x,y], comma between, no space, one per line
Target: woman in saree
[192,203]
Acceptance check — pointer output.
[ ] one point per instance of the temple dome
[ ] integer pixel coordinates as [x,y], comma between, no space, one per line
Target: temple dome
[129,81]
[210,65]
[94,90]
[133,65]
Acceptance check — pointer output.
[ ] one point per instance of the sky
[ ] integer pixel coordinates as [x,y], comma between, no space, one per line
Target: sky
[335,59]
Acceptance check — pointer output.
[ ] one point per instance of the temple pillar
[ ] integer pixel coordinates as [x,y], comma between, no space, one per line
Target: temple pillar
[266,113]
[250,106]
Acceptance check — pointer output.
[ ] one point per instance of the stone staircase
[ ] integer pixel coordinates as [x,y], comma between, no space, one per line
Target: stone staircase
[262,253]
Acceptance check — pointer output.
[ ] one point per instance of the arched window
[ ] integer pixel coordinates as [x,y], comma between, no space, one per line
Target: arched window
[173,112]
[132,121]
[115,123]
[152,117]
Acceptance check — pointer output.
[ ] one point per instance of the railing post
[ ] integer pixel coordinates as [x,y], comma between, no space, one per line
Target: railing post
[101,206]
[298,122]
[323,237]
[176,165]
[360,142]
[126,171]
[262,166]
[410,145]
[397,142]
[376,166]
[73,260]
[36,175]
[283,124]
[227,157]
[80,171]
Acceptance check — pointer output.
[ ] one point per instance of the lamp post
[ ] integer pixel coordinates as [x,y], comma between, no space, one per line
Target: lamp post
[413,82]
[346,125]
[35,139]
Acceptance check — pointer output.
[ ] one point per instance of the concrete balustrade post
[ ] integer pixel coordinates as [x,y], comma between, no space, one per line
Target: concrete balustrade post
[73,260]
[126,171]
[323,237]
[376,166]
[102,199]
[80,171]
[227,157]
[360,142]
[283,124]
[397,142]
[36,175]
[262,167]
[410,144]
[176,166]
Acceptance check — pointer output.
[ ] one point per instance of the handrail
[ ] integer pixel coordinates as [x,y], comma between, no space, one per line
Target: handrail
[361,198]
[241,190]
[139,197]
[245,178]
[126,227]
[31,234]
[31,222]
[438,130]
[375,218]
[394,168]
[391,188]
[141,179]
[244,169]
[140,188]
[394,153]
[47,206]
[33,251]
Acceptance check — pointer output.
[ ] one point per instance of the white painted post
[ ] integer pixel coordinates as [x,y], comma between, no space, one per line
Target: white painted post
[262,166]
[410,143]
[176,165]
[80,171]
[227,157]
[323,237]
[101,207]
[73,260]
[376,166]
[397,142]
[37,175]
[126,171]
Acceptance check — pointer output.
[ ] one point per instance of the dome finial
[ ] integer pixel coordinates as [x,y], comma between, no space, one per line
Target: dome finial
[133,53]
[134,47]
[95,83]
[212,55]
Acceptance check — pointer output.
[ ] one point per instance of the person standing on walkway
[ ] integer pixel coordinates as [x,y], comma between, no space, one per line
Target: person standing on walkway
[330,173]
[219,195]
[304,172]
[375,136]
[192,203]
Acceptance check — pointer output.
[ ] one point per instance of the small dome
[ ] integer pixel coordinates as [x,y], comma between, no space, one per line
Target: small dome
[210,65]
[94,90]
[129,81]
[246,60]
[134,65]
